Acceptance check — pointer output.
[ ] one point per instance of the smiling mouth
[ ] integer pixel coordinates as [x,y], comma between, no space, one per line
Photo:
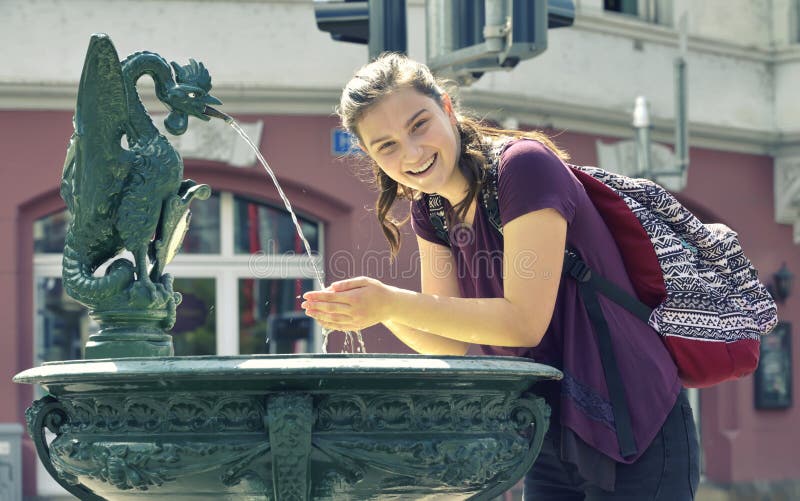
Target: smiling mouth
[425,168]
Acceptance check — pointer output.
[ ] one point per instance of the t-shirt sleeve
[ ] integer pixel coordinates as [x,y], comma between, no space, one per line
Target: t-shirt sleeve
[421,221]
[531,177]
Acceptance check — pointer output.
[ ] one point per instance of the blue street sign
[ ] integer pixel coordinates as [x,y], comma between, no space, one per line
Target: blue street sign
[343,143]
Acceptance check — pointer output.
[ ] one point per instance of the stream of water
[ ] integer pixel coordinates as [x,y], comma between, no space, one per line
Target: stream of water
[351,338]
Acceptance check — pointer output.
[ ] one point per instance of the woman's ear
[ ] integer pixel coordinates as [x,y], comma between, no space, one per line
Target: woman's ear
[447,104]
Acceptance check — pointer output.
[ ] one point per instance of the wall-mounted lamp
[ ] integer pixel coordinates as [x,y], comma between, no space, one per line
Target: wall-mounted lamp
[781,286]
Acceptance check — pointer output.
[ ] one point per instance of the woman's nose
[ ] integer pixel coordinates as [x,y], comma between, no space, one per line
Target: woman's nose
[413,153]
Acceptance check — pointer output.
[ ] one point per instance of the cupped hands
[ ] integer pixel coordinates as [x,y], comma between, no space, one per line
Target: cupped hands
[350,305]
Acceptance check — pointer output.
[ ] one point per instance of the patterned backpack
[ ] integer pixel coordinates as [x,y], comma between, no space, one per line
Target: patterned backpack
[694,285]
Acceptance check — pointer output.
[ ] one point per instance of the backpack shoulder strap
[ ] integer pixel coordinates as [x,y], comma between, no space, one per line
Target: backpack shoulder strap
[488,203]
[488,199]
[437,217]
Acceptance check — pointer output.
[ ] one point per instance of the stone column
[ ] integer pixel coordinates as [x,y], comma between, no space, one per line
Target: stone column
[787,191]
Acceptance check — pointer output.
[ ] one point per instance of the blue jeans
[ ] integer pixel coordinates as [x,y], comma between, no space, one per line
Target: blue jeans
[668,470]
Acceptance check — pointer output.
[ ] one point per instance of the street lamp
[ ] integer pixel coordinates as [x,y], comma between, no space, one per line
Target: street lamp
[641,122]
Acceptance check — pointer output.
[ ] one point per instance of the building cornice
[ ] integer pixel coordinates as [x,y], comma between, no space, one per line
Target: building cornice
[600,121]
[789,54]
[236,99]
[557,115]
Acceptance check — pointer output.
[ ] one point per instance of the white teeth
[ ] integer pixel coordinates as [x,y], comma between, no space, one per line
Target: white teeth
[424,167]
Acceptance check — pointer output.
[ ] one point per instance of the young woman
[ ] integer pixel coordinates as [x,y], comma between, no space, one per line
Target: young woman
[505,292]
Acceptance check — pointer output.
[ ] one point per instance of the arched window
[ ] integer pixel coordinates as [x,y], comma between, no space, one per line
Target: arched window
[241,271]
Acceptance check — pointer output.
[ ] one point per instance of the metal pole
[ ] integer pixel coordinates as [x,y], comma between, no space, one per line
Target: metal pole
[641,122]
[496,26]
[439,25]
[387,27]
[681,127]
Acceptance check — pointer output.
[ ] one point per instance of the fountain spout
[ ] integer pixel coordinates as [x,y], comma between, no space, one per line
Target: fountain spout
[215,113]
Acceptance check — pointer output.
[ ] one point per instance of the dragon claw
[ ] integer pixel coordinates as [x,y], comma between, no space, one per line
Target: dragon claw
[151,288]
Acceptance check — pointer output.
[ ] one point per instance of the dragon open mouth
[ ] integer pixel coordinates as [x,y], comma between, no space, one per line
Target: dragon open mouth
[215,113]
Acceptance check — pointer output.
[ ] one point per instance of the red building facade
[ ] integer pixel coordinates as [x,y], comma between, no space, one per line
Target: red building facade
[741,444]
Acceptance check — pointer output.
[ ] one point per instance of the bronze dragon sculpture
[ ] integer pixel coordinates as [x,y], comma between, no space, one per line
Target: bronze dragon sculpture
[130,197]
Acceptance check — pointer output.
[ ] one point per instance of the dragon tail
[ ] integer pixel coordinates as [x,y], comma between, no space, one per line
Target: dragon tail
[80,283]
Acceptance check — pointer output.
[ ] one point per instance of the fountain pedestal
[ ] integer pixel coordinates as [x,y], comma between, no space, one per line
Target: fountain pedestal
[289,427]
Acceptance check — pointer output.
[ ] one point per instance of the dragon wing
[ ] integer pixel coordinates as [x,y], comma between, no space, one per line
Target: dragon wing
[95,167]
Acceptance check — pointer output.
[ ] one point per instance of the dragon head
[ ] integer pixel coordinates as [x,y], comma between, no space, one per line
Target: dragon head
[190,96]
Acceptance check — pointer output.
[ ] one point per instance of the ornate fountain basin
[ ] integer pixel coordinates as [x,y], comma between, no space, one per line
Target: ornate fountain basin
[289,427]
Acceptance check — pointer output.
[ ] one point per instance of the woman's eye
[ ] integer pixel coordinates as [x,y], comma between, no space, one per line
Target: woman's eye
[385,147]
[420,124]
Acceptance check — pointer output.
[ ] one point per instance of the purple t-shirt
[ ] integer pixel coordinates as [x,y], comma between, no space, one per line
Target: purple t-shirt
[530,178]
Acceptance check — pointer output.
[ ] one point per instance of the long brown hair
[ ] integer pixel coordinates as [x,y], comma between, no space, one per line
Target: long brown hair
[391,72]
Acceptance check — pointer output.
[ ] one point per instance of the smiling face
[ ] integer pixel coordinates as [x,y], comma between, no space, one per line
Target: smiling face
[414,140]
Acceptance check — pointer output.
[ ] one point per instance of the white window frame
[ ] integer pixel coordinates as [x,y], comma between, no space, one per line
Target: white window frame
[226,268]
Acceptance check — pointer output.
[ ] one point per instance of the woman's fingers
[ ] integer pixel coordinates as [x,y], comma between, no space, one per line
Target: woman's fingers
[332,320]
[350,283]
[333,293]
[327,296]
[326,307]
[345,304]
[327,316]
[337,327]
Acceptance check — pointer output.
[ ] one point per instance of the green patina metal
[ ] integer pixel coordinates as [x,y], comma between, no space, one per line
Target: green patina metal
[132,198]
[290,427]
[139,422]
